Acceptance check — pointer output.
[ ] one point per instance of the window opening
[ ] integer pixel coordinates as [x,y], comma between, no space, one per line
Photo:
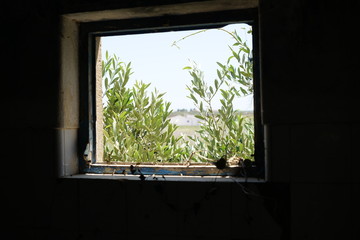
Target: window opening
[177,98]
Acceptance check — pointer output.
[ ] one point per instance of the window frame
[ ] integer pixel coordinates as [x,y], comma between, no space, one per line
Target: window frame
[88,33]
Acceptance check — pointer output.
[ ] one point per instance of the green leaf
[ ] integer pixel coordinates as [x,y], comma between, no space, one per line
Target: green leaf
[232,97]
[211,90]
[197,91]
[187,68]
[243,91]
[245,49]
[236,55]
[216,84]
[199,117]
[223,103]
[161,95]
[113,63]
[222,66]
[219,74]
[193,98]
[106,82]
[229,59]
[224,93]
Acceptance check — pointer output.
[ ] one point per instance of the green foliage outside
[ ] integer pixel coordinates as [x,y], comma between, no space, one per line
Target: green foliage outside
[137,126]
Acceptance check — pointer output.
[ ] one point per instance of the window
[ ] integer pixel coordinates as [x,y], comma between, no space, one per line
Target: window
[171,155]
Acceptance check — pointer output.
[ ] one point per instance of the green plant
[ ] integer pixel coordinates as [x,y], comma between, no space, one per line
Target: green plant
[224,133]
[136,126]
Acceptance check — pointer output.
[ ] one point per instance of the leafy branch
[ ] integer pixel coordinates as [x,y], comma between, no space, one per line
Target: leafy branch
[136,126]
[224,134]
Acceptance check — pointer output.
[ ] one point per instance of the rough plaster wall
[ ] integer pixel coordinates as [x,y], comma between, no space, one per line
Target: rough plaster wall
[99,105]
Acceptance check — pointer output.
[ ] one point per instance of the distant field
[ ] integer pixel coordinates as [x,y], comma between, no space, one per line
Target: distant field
[186,131]
[194,112]
[188,124]
[183,113]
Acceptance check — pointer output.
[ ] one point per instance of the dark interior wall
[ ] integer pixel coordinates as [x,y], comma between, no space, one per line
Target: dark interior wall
[310,102]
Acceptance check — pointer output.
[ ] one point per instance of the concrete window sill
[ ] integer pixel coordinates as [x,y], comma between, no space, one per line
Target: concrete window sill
[122,177]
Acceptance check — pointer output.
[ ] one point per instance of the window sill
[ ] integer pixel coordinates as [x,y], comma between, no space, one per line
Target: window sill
[169,169]
[166,172]
[172,178]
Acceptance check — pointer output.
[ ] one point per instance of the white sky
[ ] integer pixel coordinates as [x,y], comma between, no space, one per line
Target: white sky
[154,60]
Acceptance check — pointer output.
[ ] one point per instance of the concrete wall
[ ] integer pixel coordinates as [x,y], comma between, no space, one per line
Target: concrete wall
[310,86]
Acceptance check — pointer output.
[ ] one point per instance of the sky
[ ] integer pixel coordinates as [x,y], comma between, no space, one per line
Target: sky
[154,59]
